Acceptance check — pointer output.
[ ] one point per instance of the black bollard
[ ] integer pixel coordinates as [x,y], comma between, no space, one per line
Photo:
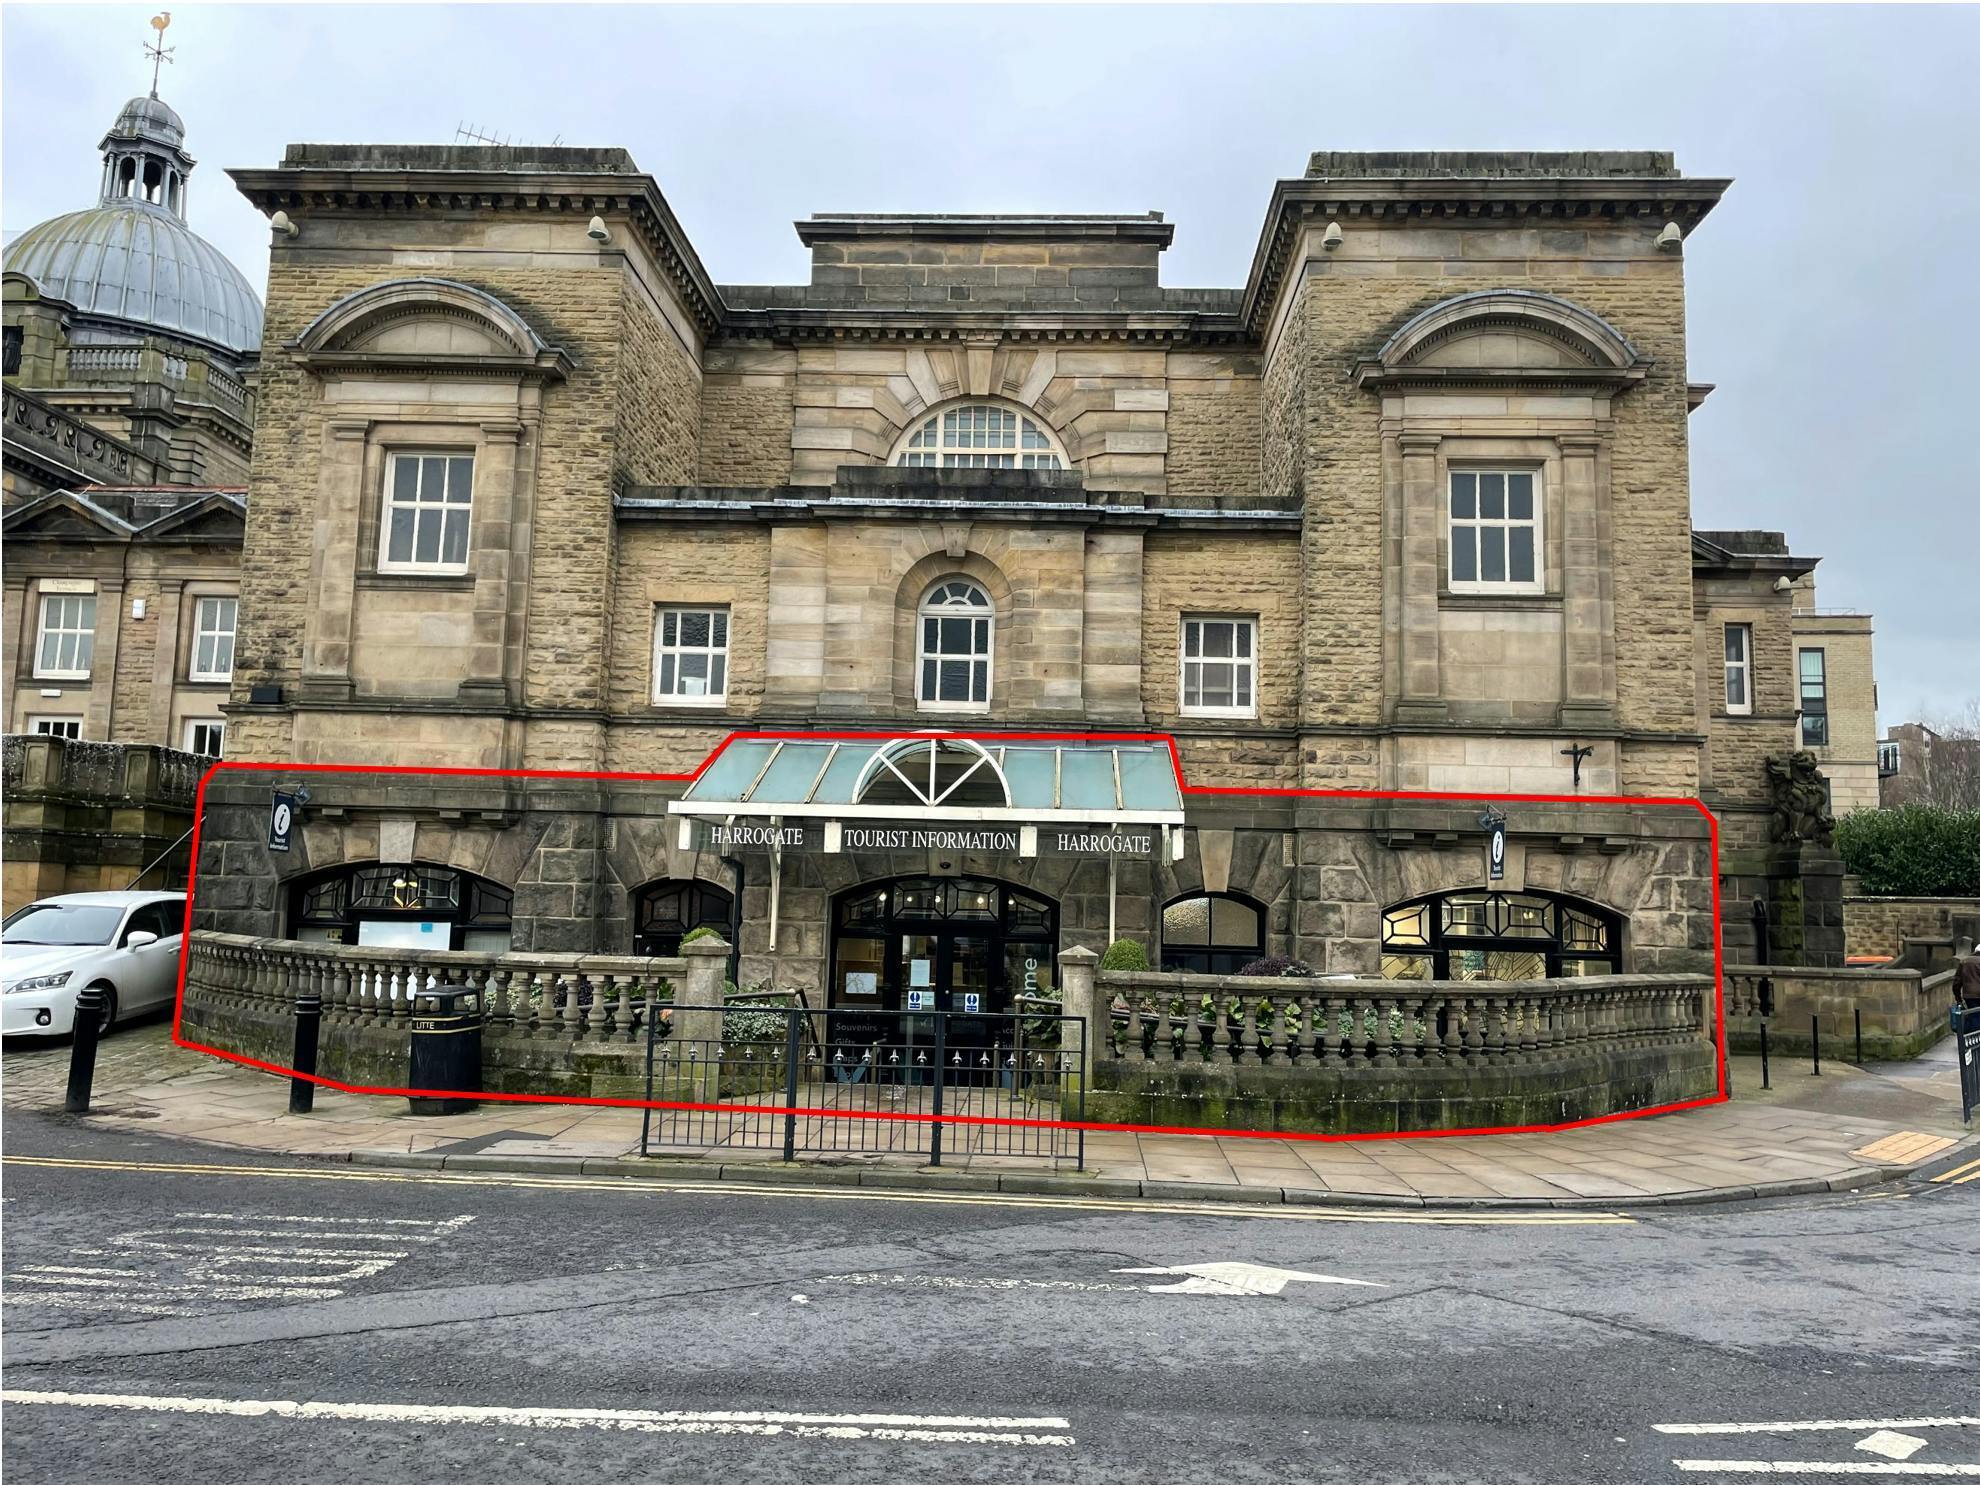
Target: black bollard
[90,1006]
[1764,1083]
[309,1021]
[1815,1041]
[1859,1036]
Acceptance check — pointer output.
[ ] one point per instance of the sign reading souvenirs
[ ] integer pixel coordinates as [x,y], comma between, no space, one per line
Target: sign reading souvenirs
[835,836]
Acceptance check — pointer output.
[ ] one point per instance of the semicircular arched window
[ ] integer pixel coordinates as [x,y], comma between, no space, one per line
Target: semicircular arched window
[1499,936]
[956,622]
[980,435]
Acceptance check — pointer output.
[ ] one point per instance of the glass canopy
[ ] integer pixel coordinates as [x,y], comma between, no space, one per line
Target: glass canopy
[939,777]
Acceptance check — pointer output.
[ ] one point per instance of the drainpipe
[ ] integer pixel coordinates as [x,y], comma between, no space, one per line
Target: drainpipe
[734,863]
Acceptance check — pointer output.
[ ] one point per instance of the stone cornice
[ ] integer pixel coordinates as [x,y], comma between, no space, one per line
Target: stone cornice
[1429,200]
[307,190]
[852,226]
[1147,327]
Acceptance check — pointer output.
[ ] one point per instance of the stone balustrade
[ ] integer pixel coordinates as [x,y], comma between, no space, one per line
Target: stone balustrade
[1235,1021]
[551,996]
[555,1019]
[1354,1055]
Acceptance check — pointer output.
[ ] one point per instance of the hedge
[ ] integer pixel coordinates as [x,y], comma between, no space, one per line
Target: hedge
[1125,954]
[1916,851]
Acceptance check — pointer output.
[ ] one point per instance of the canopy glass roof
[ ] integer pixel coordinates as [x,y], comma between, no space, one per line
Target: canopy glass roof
[939,777]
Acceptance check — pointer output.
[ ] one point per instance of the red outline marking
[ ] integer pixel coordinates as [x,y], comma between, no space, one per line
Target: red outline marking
[1175,757]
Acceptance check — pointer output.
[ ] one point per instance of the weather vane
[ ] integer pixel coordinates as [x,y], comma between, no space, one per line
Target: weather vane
[158,51]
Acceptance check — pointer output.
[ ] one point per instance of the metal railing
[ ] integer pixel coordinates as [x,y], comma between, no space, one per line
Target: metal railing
[747,1078]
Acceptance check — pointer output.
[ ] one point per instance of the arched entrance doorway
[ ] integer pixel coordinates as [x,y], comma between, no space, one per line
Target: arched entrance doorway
[904,948]
[402,907]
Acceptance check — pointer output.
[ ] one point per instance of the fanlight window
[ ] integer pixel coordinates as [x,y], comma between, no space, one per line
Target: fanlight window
[954,652]
[1499,936]
[934,772]
[980,436]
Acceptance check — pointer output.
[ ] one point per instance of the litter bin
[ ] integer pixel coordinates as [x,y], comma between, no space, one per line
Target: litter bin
[446,1048]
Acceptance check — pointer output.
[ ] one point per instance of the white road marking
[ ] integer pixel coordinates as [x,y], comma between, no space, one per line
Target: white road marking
[941,1281]
[1891,1445]
[1818,1467]
[1238,1279]
[236,1256]
[896,1427]
[92,1303]
[1847,1425]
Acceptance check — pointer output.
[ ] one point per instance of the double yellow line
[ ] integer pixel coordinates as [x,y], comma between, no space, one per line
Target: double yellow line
[1959,1175]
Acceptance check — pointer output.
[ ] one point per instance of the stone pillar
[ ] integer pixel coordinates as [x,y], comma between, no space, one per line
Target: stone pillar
[1080,991]
[12,632]
[698,1014]
[165,663]
[490,560]
[1421,575]
[102,681]
[326,659]
[1588,640]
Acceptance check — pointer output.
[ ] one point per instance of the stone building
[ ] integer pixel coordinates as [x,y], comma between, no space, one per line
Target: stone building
[1406,511]
[1836,687]
[1782,894]
[131,346]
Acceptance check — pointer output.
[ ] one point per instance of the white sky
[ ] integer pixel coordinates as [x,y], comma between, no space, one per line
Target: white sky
[1832,294]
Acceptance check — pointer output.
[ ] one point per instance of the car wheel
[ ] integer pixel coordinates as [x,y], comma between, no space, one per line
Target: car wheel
[109,1005]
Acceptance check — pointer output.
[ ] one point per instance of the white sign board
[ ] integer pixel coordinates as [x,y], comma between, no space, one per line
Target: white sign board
[921,1000]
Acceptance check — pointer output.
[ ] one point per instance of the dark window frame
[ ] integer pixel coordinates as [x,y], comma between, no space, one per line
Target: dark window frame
[1496,928]
[1209,958]
[666,910]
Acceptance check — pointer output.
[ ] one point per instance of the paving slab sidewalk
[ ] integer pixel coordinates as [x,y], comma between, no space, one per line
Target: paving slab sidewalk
[1847,1128]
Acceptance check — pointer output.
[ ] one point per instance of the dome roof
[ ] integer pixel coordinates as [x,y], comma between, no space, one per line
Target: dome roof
[137,262]
[150,118]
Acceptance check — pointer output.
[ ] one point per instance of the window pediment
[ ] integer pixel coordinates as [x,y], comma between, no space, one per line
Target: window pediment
[427,326]
[1504,336]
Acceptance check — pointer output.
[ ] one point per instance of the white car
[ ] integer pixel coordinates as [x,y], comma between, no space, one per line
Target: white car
[126,942]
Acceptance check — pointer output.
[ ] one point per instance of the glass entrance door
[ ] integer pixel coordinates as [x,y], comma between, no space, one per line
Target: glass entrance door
[904,950]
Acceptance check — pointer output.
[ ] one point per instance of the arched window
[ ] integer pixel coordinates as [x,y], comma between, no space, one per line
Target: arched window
[1212,933]
[1499,936]
[956,620]
[980,435]
[666,912]
[402,906]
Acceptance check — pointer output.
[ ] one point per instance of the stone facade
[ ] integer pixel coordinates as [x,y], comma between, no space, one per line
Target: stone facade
[1284,456]
[151,565]
[1848,751]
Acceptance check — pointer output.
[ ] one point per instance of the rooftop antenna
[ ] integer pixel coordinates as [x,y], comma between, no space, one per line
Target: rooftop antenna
[158,51]
[470,134]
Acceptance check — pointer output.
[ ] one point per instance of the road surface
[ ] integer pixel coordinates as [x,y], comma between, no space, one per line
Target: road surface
[173,1312]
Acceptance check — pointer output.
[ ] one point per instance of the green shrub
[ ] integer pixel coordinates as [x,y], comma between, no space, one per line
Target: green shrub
[696,935]
[1916,851]
[1125,954]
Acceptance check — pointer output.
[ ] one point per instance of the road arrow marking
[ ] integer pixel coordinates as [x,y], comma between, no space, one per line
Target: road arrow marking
[1891,1445]
[1238,1278]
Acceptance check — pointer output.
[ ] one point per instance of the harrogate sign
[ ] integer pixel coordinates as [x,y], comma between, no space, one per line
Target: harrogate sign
[832,837]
